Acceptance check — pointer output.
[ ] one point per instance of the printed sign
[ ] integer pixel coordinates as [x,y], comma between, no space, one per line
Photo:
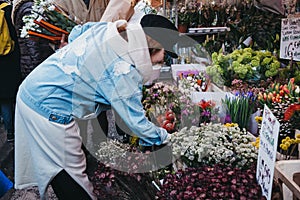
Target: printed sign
[267,152]
[290,38]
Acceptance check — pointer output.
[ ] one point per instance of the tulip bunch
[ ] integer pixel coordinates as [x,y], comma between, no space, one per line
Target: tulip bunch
[278,93]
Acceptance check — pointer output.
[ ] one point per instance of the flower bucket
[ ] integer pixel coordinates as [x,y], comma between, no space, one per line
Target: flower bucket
[5,184]
[253,125]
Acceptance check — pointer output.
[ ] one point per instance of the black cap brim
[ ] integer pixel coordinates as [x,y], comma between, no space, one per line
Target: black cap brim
[162,30]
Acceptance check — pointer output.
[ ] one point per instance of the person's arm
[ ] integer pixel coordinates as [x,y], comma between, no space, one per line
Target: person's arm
[126,101]
[118,9]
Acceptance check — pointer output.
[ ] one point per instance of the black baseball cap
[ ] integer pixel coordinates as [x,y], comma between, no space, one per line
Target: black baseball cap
[162,30]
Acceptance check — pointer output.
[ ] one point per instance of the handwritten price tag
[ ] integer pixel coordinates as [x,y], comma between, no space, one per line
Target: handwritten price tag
[290,39]
[267,152]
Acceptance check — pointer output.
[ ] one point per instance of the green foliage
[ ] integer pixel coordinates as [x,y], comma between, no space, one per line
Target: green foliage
[244,20]
[239,108]
[244,64]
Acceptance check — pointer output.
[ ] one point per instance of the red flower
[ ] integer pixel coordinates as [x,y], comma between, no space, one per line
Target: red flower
[206,104]
[288,114]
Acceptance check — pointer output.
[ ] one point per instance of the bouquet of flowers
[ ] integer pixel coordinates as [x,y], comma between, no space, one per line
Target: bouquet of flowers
[47,21]
[214,144]
[194,81]
[208,111]
[160,97]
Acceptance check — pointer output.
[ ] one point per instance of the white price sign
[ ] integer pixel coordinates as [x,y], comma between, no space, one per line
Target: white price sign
[267,152]
[290,38]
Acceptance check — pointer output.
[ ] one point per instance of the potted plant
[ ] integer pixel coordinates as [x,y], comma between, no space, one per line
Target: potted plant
[183,19]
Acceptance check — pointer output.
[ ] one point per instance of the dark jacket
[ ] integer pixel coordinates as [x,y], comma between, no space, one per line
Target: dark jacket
[10,74]
[33,50]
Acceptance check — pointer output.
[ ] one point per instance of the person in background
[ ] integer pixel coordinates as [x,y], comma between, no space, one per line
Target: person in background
[33,50]
[10,78]
[83,82]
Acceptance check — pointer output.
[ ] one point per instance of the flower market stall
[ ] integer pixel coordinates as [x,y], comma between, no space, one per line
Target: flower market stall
[213,104]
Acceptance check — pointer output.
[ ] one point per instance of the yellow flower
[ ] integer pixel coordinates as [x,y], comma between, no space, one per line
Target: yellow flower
[231,125]
[293,141]
[283,141]
[258,119]
[134,140]
[288,143]
[283,147]
[256,142]
[297,135]
[297,141]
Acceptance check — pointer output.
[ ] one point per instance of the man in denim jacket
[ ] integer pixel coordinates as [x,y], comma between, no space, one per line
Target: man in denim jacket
[100,68]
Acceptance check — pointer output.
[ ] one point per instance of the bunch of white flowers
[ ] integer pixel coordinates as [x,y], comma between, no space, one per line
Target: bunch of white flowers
[214,143]
[37,12]
[193,82]
[47,21]
[111,150]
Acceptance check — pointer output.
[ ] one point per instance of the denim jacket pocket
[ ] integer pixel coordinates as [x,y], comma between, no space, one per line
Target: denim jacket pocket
[60,119]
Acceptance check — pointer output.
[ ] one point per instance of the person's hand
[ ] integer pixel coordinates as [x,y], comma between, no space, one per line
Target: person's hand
[63,41]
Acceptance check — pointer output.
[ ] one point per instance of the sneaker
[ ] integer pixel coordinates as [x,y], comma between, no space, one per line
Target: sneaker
[10,137]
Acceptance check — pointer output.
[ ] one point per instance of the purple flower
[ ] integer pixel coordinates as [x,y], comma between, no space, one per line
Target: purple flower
[227,119]
[213,117]
[184,112]
[205,113]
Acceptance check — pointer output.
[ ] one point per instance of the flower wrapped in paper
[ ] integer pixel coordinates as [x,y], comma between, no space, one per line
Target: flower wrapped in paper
[47,21]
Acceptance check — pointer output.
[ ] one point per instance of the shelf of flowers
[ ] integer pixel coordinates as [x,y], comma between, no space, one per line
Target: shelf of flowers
[202,142]
[262,78]
[210,147]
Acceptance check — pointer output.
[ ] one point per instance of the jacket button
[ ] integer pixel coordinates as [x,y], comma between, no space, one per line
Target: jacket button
[53,117]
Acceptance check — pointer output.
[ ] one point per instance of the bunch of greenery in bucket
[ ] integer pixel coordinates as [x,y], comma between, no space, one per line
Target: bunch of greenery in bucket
[240,107]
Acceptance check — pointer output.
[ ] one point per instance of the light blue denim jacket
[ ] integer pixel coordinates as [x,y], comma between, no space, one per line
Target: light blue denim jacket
[86,77]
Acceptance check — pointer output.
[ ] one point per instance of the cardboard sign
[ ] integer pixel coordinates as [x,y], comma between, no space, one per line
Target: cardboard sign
[267,152]
[290,38]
